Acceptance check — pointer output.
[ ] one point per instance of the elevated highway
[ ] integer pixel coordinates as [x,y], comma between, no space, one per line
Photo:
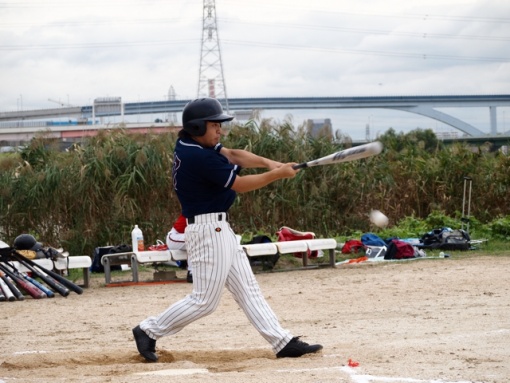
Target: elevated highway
[422,105]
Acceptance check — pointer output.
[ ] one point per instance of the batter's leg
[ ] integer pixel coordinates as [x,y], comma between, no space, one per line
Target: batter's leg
[244,287]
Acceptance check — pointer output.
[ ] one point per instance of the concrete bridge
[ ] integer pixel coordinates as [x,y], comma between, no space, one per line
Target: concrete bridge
[422,105]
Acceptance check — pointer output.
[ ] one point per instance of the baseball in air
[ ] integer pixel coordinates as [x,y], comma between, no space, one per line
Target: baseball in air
[378,218]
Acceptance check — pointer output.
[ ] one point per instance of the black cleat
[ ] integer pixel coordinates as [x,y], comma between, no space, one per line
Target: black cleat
[189,277]
[146,346]
[296,348]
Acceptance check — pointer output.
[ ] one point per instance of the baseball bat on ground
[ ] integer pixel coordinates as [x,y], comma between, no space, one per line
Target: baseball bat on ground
[55,281]
[17,292]
[47,291]
[13,289]
[29,288]
[6,290]
[346,155]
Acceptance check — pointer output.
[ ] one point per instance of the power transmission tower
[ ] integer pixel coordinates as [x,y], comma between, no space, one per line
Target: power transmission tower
[211,82]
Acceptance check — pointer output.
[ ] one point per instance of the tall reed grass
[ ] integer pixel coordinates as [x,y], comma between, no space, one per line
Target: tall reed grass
[93,194]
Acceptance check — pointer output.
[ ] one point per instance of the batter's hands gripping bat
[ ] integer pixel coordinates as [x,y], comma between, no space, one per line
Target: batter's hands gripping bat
[54,280]
[346,155]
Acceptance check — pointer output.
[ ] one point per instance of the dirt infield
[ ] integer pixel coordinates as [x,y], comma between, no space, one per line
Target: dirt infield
[422,321]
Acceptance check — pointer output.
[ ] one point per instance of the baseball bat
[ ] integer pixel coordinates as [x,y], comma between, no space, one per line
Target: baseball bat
[346,155]
[11,286]
[14,290]
[47,291]
[55,281]
[17,292]
[2,296]
[29,288]
[6,290]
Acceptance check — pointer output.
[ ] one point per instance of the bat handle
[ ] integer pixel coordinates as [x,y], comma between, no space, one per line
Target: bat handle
[300,166]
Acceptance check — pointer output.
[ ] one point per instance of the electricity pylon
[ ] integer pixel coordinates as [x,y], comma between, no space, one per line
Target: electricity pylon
[211,81]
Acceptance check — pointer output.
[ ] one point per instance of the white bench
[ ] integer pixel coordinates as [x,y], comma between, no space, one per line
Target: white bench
[75,262]
[44,262]
[142,257]
[134,259]
[300,246]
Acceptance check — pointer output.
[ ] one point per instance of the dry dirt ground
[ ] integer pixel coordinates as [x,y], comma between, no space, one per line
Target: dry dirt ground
[421,321]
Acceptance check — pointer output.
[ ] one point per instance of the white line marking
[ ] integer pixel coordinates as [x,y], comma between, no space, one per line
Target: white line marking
[175,372]
[370,379]
[30,352]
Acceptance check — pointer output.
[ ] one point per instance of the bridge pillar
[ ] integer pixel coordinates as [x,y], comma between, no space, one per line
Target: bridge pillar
[494,121]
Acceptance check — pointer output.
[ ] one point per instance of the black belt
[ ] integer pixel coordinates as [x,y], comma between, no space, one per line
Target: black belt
[192,219]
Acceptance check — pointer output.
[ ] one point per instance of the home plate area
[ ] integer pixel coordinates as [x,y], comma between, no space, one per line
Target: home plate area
[221,365]
[440,321]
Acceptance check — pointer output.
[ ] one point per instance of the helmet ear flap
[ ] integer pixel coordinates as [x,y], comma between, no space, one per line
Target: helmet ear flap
[196,127]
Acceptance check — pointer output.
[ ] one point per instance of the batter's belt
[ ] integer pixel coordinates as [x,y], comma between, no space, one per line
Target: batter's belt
[207,218]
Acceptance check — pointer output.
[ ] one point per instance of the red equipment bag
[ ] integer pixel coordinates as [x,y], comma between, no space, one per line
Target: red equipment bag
[288,234]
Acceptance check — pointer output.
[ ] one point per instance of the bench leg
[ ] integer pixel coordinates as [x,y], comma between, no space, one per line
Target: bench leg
[86,277]
[332,261]
[107,271]
[134,268]
[305,258]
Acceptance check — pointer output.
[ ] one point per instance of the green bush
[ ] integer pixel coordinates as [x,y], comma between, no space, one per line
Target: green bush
[93,194]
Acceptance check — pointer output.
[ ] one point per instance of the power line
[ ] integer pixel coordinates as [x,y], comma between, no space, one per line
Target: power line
[113,44]
[124,44]
[414,16]
[367,52]
[373,31]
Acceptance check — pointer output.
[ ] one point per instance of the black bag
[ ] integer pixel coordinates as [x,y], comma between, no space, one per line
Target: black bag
[446,239]
[97,266]
[267,262]
[456,240]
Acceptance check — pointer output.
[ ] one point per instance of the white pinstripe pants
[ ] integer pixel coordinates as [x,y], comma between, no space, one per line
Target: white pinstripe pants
[217,261]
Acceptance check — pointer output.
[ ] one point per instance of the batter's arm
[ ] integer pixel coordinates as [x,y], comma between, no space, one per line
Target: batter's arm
[243,184]
[246,159]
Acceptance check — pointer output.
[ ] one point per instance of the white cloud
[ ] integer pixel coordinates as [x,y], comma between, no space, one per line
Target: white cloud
[78,50]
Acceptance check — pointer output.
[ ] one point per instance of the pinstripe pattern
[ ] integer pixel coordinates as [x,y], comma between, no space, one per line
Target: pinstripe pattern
[218,262]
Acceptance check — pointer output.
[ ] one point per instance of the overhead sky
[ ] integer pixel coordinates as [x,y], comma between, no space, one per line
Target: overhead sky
[55,52]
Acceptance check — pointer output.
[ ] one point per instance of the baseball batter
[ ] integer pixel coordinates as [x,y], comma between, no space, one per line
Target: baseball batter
[206,179]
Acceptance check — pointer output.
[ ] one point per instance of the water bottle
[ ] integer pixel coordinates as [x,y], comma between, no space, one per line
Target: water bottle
[137,239]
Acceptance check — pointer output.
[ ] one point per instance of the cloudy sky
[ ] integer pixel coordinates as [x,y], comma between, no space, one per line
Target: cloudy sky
[73,51]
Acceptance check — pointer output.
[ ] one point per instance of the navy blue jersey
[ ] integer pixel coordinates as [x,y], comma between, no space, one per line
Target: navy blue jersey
[202,178]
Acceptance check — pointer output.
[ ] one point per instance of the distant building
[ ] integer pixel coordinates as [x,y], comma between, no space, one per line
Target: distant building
[319,128]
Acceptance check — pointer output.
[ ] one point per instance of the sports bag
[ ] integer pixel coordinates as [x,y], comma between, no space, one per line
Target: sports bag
[446,239]
[288,234]
[371,239]
[398,249]
[352,246]
[457,239]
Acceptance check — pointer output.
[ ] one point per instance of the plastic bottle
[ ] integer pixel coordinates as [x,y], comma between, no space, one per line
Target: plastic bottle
[137,239]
